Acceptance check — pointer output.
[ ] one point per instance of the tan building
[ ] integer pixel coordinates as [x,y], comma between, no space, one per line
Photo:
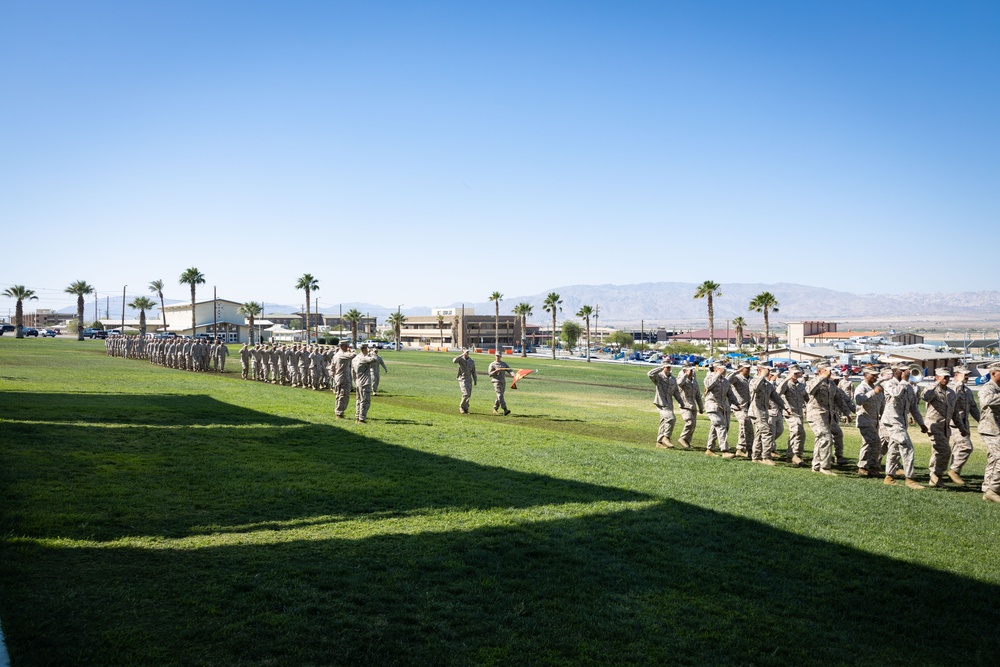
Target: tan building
[44,318]
[458,329]
[799,331]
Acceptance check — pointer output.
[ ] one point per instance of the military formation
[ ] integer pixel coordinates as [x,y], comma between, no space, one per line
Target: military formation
[181,353]
[883,405]
[318,367]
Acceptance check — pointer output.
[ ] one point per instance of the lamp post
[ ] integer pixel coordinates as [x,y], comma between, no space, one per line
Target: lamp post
[123,311]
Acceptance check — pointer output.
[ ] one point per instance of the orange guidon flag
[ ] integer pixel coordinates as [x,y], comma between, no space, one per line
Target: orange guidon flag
[518,375]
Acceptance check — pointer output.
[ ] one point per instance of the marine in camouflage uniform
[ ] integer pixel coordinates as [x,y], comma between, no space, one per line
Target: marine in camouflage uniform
[362,372]
[498,372]
[693,403]
[965,406]
[377,367]
[740,380]
[775,413]
[762,396]
[847,387]
[341,373]
[666,391]
[466,379]
[843,407]
[719,396]
[793,392]
[989,430]
[869,398]
[900,405]
[939,417]
[820,413]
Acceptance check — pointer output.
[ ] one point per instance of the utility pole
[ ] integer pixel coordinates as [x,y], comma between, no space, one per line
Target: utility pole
[122,330]
[215,311]
[316,324]
[597,313]
[107,307]
[399,310]
[96,314]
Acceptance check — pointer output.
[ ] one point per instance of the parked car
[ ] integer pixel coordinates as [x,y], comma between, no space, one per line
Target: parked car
[48,333]
[31,331]
[4,328]
[100,333]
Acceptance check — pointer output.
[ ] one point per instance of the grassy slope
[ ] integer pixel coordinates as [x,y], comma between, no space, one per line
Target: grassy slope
[157,516]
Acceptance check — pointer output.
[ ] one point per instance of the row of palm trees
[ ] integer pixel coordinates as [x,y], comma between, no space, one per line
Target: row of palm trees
[552,305]
[765,303]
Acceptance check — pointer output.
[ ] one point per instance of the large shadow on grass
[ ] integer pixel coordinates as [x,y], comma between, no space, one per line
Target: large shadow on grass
[669,584]
[244,469]
[133,409]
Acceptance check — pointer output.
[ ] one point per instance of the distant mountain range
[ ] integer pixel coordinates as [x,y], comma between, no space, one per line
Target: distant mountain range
[671,304]
[674,303]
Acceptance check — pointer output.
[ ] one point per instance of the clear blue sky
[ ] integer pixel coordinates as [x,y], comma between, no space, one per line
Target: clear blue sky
[425,153]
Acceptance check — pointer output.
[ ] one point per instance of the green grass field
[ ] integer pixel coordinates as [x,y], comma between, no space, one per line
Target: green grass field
[157,517]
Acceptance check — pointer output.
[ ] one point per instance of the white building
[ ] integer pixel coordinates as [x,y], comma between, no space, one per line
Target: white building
[232,326]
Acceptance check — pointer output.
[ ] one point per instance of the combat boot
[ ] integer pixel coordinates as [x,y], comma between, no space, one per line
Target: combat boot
[992,496]
[890,480]
[956,478]
[709,452]
[914,484]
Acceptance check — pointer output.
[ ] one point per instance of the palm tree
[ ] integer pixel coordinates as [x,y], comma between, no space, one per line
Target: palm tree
[552,304]
[524,310]
[80,288]
[354,316]
[396,321]
[22,294]
[251,309]
[441,328]
[310,285]
[739,323]
[496,298]
[586,312]
[142,304]
[709,290]
[763,303]
[192,277]
[156,287]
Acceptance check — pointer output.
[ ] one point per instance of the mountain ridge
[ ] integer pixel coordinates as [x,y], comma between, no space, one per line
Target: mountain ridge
[669,303]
